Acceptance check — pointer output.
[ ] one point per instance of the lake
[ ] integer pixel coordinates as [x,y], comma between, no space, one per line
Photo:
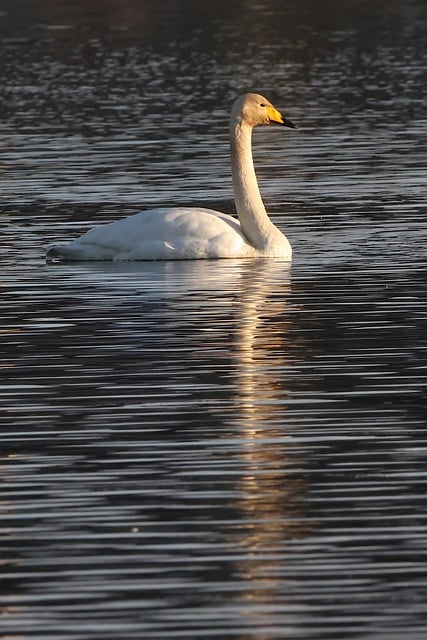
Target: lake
[214,449]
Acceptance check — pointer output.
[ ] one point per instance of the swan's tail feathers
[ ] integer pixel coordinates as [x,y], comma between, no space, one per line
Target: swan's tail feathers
[64,252]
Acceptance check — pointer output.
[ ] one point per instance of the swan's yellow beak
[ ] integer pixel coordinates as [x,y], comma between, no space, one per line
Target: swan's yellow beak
[276,117]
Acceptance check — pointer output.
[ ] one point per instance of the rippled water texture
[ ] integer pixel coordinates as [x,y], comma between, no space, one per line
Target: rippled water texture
[230,449]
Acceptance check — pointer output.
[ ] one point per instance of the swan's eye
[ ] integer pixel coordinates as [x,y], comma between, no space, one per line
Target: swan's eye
[262,104]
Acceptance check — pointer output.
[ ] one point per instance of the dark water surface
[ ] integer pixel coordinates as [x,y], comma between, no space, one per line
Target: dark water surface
[230,449]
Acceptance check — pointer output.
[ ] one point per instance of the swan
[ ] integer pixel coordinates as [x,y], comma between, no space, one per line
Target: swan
[182,233]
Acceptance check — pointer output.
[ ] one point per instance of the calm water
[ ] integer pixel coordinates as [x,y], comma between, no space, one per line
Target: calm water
[231,449]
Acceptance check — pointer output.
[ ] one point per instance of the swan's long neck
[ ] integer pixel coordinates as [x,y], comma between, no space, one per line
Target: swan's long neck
[255,223]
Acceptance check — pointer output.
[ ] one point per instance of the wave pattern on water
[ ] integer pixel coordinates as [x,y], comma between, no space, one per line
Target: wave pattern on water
[248,460]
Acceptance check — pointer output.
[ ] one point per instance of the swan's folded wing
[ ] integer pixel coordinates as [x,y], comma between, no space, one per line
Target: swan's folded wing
[160,234]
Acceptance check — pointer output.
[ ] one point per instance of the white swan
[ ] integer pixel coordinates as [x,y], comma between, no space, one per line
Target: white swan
[181,233]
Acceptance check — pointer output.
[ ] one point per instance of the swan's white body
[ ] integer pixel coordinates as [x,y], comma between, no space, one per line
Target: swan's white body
[191,233]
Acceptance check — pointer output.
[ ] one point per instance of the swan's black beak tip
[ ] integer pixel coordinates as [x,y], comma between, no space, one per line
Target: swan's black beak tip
[289,123]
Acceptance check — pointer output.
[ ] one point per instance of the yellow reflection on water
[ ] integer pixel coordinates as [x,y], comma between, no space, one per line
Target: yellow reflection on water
[271,492]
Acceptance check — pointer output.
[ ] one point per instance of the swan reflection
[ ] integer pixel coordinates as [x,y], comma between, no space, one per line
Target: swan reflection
[271,491]
[216,332]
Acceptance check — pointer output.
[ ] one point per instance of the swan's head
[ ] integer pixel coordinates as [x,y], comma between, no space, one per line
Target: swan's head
[254,109]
